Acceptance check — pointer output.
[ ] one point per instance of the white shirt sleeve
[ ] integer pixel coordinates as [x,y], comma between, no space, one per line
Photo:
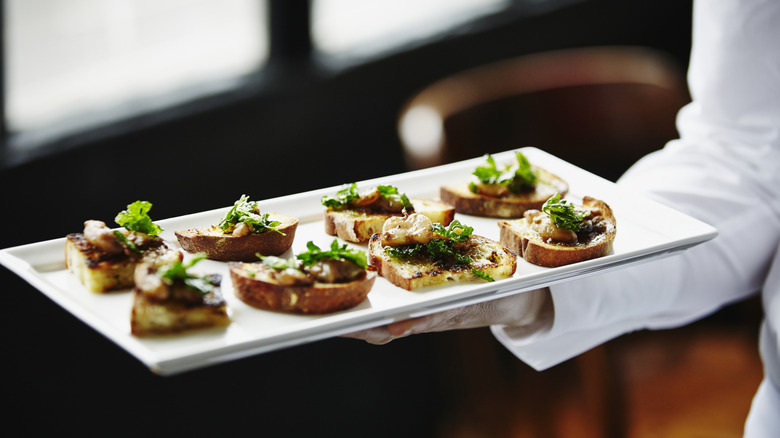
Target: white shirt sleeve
[724,170]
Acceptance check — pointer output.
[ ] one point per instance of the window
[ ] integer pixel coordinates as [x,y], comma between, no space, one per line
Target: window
[77,63]
[354,29]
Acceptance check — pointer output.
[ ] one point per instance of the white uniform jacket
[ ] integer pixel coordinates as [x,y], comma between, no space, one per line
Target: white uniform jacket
[725,171]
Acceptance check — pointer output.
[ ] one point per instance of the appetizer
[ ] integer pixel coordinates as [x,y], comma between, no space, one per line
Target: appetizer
[504,192]
[242,233]
[314,282]
[355,216]
[104,259]
[170,299]
[561,233]
[412,252]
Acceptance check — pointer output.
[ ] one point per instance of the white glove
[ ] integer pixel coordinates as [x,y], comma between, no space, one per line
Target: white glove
[531,310]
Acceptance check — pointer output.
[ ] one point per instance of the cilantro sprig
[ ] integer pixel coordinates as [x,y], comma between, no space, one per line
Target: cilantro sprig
[343,252]
[563,213]
[178,271]
[245,211]
[136,218]
[517,176]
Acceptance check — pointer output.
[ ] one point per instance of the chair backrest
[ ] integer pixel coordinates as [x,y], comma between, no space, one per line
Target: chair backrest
[600,108]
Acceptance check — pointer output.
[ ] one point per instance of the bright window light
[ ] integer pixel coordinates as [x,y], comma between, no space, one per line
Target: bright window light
[359,28]
[66,58]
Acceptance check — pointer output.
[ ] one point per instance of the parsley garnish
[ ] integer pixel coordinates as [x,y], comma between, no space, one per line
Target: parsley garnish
[177,271]
[349,194]
[315,254]
[130,245]
[245,211]
[343,197]
[517,177]
[136,218]
[391,193]
[563,214]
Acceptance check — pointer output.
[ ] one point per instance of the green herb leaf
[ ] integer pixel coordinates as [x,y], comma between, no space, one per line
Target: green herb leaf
[343,197]
[517,176]
[563,213]
[248,212]
[123,239]
[336,252]
[482,275]
[136,218]
[177,271]
[455,231]
[391,193]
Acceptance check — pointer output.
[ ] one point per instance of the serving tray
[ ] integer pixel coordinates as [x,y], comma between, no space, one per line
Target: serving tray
[646,230]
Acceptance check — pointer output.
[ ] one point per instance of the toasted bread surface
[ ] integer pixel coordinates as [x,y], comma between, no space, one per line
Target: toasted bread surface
[358,225]
[510,206]
[253,287]
[225,247]
[521,238]
[488,256]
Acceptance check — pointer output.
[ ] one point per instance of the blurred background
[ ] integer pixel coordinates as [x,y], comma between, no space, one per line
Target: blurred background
[189,103]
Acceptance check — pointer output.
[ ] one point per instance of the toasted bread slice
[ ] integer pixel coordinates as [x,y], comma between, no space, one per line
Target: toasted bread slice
[509,206]
[101,272]
[226,247]
[519,236]
[253,285]
[488,256]
[150,316]
[357,225]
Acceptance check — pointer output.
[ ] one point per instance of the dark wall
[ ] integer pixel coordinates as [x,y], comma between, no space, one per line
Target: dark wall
[311,129]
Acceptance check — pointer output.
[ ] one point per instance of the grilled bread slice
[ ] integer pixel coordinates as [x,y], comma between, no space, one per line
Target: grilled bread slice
[488,256]
[358,225]
[511,205]
[160,308]
[103,263]
[257,285]
[222,246]
[594,240]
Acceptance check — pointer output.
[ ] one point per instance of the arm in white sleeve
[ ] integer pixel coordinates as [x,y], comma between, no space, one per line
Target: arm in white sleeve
[724,170]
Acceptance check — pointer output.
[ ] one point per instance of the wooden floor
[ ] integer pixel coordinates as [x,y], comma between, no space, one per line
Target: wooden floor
[696,381]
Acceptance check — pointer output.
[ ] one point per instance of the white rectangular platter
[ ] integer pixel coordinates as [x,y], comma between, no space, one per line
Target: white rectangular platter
[646,230]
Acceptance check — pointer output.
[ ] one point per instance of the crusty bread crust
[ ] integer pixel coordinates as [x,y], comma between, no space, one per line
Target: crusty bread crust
[489,256]
[518,236]
[357,226]
[318,298]
[512,206]
[224,247]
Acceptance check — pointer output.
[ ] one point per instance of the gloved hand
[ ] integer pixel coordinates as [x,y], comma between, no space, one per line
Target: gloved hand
[532,310]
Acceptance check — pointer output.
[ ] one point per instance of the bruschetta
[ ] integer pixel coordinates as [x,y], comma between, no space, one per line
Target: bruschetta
[244,232]
[314,282]
[504,192]
[412,253]
[169,298]
[561,233]
[104,259]
[355,215]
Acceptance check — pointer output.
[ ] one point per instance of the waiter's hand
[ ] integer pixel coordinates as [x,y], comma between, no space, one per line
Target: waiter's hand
[523,309]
